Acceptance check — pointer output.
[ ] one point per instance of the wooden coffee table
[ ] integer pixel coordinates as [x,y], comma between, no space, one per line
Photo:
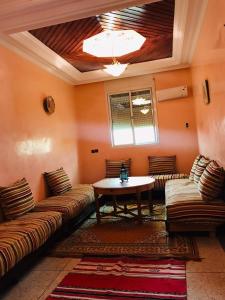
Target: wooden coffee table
[113,187]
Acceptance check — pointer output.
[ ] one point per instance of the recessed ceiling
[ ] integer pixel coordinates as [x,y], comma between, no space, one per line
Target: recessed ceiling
[154,21]
[50,34]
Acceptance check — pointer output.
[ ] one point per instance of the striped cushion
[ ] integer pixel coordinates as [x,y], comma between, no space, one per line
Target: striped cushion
[185,204]
[83,193]
[71,203]
[192,173]
[200,167]
[58,181]
[211,182]
[63,204]
[162,164]
[13,247]
[20,237]
[160,180]
[113,167]
[16,199]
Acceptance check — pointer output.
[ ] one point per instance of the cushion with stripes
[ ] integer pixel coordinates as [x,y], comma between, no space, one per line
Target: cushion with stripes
[211,183]
[58,181]
[192,173]
[200,167]
[113,167]
[161,179]
[162,164]
[17,199]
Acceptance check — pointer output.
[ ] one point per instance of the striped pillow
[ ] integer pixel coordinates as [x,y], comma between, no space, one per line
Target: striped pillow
[113,167]
[16,200]
[162,164]
[58,181]
[211,182]
[192,173]
[200,167]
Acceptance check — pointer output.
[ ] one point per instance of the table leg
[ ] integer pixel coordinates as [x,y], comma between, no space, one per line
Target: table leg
[114,204]
[125,208]
[97,204]
[150,203]
[138,195]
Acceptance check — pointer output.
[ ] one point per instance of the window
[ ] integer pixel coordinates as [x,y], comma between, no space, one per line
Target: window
[133,118]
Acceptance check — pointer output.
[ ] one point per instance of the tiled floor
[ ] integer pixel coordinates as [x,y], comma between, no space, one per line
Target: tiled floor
[205,279]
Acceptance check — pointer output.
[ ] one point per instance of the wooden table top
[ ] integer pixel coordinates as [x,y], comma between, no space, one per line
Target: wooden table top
[115,183]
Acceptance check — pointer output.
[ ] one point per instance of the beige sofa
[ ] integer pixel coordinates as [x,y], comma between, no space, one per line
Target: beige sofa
[187,211]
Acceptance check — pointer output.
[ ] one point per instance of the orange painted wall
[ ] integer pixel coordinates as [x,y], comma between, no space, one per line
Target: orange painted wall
[209,63]
[31,141]
[94,129]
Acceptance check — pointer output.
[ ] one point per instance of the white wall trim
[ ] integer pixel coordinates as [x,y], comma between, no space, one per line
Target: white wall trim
[180,20]
[197,9]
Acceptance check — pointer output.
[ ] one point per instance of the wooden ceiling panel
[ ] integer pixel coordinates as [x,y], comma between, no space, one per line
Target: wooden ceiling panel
[154,21]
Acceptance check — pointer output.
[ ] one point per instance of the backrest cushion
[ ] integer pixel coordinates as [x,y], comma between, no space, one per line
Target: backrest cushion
[211,183]
[192,173]
[200,167]
[112,167]
[16,200]
[162,164]
[58,182]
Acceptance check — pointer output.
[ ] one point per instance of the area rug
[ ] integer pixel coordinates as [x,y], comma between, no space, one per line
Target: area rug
[126,237]
[123,278]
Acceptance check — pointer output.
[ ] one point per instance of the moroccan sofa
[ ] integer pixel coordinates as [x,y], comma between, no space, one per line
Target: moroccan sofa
[27,227]
[196,203]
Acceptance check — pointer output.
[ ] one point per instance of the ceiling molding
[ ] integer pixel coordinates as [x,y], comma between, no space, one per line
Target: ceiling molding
[180,21]
[37,14]
[187,22]
[32,49]
[197,9]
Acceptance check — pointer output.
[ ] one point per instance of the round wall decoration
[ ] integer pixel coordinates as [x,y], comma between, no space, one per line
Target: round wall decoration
[49,105]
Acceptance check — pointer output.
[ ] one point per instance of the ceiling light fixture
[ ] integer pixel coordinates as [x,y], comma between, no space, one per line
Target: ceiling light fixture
[140,101]
[144,110]
[115,69]
[113,44]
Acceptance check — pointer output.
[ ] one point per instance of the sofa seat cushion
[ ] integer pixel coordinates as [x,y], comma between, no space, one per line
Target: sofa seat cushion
[63,204]
[185,204]
[83,193]
[24,235]
[50,221]
[71,203]
[14,246]
[161,179]
[38,226]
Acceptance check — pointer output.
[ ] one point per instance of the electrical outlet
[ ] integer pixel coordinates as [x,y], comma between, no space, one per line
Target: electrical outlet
[94,150]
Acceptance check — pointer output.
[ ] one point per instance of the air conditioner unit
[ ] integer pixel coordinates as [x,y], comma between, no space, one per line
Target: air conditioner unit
[172,93]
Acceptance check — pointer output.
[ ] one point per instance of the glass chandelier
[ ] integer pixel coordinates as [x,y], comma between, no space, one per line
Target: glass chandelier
[113,44]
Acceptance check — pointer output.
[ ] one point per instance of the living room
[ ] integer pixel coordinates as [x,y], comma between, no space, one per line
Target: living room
[34,142]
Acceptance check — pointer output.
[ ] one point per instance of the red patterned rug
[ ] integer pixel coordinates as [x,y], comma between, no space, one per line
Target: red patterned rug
[124,278]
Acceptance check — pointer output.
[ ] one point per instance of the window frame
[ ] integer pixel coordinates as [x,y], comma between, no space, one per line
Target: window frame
[155,118]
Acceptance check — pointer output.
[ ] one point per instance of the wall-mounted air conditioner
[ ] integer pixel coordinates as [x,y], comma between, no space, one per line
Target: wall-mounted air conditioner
[172,93]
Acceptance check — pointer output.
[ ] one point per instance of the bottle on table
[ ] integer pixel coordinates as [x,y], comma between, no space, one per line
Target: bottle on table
[123,173]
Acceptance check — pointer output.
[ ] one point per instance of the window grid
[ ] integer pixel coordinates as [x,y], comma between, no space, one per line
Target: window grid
[139,124]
